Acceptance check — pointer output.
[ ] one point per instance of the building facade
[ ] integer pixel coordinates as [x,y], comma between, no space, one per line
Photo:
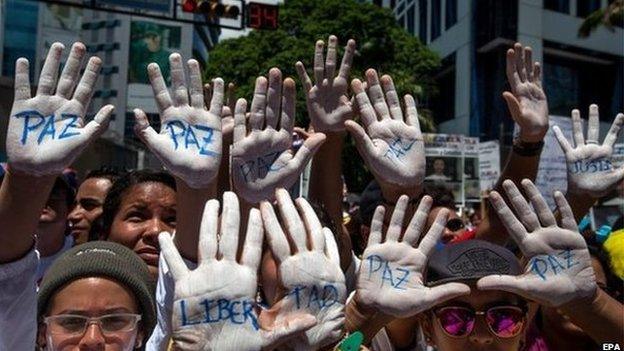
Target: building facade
[126,44]
[471,37]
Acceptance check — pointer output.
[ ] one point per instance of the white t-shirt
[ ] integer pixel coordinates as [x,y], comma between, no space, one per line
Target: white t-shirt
[18,303]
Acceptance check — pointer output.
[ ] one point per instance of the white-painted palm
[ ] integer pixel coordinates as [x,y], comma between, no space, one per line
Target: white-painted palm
[392,146]
[189,142]
[527,101]
[47,132]
[309,271]
[214,305]
[590,169]
[262,155]
[328,105]
[391,274]
[558,269]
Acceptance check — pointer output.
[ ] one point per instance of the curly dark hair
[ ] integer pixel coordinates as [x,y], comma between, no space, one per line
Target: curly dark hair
[120,188]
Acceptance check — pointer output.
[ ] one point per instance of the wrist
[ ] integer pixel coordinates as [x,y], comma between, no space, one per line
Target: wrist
[526,148]
[392,192]
[365,319]
[592,302]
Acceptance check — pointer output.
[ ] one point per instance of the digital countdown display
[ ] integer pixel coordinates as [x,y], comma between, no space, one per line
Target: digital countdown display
[262,16]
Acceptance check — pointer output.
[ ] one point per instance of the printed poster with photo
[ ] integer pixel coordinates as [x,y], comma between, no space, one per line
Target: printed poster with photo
[452,162]
[489,165]
[149,42]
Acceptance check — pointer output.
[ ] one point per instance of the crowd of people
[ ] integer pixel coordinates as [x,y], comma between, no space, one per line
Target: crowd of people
[213,253]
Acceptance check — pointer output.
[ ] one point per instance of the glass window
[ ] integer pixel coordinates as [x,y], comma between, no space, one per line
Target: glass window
[585,7]
[557,5]
[422,21]
[435,19]
[572,84]
[20,34]
[451,13]
[411,14]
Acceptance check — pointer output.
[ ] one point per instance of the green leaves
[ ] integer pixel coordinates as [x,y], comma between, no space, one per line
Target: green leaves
[381,44]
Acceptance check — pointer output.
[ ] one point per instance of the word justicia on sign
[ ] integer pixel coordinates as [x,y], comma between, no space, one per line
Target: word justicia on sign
[590,166]
[205,311]
[36,122]
[396,277]
[192,136]
[552,264]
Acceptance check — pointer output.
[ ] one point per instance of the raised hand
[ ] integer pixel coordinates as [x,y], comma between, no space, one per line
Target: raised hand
[309,271]
[189,142]
[262,160]
[328,105]
[391,274]
[47,132]
[392,145]
[227,114]
[590,171]
[214,306]
[526,101]
[558,268]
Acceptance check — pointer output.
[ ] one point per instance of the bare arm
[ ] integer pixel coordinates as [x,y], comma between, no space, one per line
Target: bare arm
[602,318]
[45,134]
[529,109]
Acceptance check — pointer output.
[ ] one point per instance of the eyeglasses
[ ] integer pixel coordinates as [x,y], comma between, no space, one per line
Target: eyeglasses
[503,321]
[455,224]
[72,324]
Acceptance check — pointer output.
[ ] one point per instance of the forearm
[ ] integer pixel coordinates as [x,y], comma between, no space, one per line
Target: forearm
[223,178]
[580,205]
[519,166]
[190,207]
[326,188]
[22,198]
[364,319]
[602,318]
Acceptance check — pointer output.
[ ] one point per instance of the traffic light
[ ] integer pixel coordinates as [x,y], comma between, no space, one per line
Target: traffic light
[212,8]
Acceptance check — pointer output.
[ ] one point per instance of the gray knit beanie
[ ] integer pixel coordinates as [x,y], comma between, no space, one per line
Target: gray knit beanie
[102,259]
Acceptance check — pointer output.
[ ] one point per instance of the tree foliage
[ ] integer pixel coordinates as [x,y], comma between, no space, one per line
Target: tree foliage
[381,44]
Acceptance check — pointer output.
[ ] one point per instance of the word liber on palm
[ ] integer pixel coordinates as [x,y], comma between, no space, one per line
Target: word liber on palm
[206,311]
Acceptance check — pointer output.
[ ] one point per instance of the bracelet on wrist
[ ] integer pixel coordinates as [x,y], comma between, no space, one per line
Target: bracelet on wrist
[527,149]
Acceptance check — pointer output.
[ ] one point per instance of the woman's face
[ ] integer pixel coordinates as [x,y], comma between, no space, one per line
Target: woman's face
[91,297]
[146,210]
[481,337]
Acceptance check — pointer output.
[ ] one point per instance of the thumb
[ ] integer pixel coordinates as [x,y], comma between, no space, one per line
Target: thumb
[289,328]
[445,292]
[362,141]
[308,149]
[513,105]
[142,128]
[99,124]
[509,283]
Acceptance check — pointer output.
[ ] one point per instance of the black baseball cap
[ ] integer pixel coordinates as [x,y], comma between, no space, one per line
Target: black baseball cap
[470,260]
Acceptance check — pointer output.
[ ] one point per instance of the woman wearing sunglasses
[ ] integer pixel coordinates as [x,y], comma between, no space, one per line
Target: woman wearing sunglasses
[475,295]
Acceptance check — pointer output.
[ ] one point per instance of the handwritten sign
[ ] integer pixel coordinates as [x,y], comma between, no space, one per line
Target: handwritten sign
[189,136]
[313,297]
[260,167]
[489,164]
[552,171]
[45,126]
[218,311]
[388,274]
[552,264]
